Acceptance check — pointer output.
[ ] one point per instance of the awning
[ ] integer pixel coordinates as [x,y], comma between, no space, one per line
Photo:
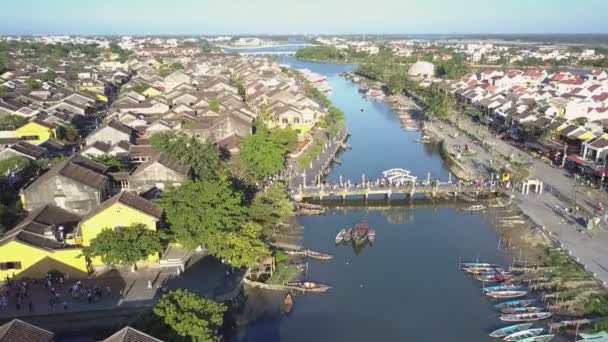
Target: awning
[579,160]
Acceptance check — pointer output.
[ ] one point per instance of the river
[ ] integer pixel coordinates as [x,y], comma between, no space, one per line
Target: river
[405,287]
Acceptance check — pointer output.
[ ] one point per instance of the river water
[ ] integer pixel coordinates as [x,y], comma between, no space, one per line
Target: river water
[407,286]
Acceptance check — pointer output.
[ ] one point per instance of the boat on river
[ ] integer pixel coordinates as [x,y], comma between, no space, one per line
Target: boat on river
[521,309]
[511,329]
[359,233]
[515,303]
[478,264]
[340,236]
[288,303]
[348,235]
[506,294]
[371,235]
[540,338]
[496,277]
[476,207]
[503,287]
[309,286]
[311,254]
[523,317]
[521,335]
[482,270]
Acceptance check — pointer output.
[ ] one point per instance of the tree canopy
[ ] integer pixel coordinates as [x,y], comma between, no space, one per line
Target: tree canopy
[202,213]
[12,122]
[124,246]
[244,248]
[114,163]
[271,207]
[263,153]
[204,158]
[69,133]
[190,316]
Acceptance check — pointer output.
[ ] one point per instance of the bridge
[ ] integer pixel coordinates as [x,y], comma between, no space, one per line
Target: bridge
[373,188]
[267,53]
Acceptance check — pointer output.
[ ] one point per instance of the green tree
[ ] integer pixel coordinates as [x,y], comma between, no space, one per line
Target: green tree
[49,76]
[244,248]
[204,158]
[11,122]
[69,133]
[124,245]
[261,156]
[271,207]
[286,137]
[214,105]
[33,84]
[114,163]
[203,213]
[191,316]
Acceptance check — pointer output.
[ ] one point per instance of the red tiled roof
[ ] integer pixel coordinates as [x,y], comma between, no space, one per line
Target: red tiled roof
[593,87]
[601,97]
[575,81]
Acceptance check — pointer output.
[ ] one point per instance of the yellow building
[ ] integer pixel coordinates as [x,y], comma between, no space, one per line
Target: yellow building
[41,243]
[35,132]
[51,238]
[122,210]
[151,92]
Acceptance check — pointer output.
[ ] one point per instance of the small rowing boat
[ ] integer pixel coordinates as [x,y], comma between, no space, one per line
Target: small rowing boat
[310,286]
[506,294]
[340,236]
[521,335]
[503,287]
[523,317]
[371,235]
[494,277]
[348,235]
[311,254]
[478,264]
[288,303]
[475,207]
[540,338]
[521,309]
[511,329]
[359,233]
[481,270]
[515,303]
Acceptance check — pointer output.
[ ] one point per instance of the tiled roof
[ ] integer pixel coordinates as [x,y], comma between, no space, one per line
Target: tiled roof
[129,334]
[19,331]
[129,199]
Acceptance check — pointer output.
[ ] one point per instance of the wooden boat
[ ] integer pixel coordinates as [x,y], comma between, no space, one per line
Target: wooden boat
[496,277]
[310,286]
[511,329]
[371,235]
[521,309]
[540,338]
[478,264]
[288,303]
[475,207]
[359,233]
[515,303]
[506,294]
[503,287]
[523,317]
[340,236]
[348,235]
[480,270]
[520,335]
[311,254]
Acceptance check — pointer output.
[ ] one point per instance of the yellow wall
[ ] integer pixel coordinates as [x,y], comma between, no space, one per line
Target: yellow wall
[31,129]
[151,92]
[37,261]
[117,215]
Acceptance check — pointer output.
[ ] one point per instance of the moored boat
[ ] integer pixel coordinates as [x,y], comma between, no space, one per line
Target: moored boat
[371,235]
[340,236]
[540,338]
[497,277]
[506,294]
[515,303]
[311,254]
[480,270]
[522,335]
[310,286]
[475,207]
[521,309]
[359,233]
[503,287]
[288,303]
[348,235]
[523,317]
[478,264]
[511,329]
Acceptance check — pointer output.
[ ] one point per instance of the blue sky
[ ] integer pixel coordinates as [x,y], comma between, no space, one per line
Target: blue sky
[302,16]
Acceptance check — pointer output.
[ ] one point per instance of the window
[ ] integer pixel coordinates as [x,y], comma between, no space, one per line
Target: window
[11,265]
[285,121]
[296,120]
[30,137]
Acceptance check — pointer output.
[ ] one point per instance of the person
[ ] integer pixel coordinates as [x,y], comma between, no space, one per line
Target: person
[65,306]
[108,290]
[149,284]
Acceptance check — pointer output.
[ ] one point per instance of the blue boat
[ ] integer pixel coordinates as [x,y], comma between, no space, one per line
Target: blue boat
[503,287]
[512,329]
[478,264]
[515,303]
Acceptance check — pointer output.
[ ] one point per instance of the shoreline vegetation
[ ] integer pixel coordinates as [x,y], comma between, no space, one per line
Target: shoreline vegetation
[558,279]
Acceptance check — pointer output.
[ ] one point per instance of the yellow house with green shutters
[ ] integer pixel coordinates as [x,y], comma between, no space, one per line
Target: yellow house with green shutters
[40,243]
[121,210]
[36,132]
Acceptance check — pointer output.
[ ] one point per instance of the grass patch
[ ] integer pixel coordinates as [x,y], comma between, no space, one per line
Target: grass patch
[283,274]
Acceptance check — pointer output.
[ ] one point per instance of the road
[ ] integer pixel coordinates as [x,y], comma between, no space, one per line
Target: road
[546,209]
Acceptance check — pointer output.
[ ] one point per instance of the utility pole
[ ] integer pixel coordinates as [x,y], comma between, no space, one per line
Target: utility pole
[564,157]
[603,174]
